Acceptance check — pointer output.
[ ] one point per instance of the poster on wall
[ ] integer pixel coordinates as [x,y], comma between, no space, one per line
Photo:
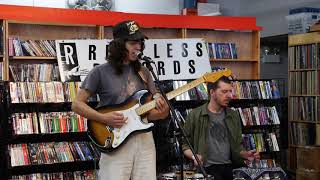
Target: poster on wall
[174,59]
[77,57]
[178,59]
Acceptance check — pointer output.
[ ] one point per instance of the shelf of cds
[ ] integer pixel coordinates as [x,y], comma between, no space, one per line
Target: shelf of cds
[259,104]
[43,135]
[44,139]
[304,94]
[3,123]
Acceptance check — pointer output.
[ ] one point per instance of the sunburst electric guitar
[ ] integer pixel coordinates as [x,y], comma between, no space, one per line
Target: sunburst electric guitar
[107,138]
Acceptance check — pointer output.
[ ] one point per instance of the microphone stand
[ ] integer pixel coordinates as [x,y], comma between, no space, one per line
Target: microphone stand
[175,118]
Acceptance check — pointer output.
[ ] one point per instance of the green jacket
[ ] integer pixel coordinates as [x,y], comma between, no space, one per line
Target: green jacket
[196,128]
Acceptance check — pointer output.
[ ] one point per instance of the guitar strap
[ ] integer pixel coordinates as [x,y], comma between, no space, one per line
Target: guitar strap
[145,81]
[144,78]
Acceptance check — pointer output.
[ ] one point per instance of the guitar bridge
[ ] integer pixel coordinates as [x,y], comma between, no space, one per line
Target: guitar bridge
[108,142]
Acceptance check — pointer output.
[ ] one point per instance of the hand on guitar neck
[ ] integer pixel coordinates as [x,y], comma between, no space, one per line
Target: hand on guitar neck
[161,111]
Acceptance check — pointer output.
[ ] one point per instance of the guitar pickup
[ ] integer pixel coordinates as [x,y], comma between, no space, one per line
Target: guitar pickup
[110,129]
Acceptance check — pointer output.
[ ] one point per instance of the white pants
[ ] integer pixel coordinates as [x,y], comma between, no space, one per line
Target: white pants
[136,159]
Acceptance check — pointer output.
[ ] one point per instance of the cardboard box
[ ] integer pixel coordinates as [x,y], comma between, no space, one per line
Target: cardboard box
[316,27]
[190,11]
[208,9]
[301,22]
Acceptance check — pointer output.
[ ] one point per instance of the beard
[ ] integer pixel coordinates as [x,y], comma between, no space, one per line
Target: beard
[223,103]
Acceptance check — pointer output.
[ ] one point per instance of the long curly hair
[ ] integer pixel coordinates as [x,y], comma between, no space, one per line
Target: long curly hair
[117,52]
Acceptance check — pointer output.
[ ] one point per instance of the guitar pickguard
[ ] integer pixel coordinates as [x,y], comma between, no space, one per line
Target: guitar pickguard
[134,123]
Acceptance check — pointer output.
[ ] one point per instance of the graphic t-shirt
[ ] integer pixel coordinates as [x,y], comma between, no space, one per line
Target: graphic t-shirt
[218,142]
[113,88]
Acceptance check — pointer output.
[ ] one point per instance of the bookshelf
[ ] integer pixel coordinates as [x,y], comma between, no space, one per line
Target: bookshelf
[262,113]
[43,134]
[247,66]
[304,94]
[28,30]
[77,24]
[35,23]
[3,122]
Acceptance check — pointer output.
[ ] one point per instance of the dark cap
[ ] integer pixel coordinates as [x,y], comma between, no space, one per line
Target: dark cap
[128,30]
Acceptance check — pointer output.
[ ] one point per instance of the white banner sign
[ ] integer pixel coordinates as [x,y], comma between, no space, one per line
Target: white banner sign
[77,57]
[176,59]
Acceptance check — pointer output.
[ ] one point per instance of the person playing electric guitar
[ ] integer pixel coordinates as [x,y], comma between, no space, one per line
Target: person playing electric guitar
[114,81]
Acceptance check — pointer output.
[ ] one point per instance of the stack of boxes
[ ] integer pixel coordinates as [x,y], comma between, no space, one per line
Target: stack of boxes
[300,19]
[200,8]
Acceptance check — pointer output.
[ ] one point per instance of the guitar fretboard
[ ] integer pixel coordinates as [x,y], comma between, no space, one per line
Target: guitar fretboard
[152,104]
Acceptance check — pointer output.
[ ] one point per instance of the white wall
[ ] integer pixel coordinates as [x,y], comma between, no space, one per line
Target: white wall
[133,6]
[271,14]
[273,23]
[40,3]
[50,3]
[17,2]
[258,7]
[148,6]
[228,7]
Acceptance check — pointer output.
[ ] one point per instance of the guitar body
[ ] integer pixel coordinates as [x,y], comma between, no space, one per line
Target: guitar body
[107,138]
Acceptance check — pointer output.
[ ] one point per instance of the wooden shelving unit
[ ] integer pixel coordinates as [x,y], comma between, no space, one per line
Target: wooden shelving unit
[247,66]
[33,57]
[233,60]
[2,43]
[303,108]
[80,24]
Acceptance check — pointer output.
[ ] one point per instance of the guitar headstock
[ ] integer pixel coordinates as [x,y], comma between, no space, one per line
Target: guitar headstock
[216,74]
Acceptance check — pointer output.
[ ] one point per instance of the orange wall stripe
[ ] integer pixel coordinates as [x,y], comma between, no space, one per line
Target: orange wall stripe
[107,18]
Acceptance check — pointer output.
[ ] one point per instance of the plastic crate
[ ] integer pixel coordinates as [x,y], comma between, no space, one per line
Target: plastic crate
[301,22]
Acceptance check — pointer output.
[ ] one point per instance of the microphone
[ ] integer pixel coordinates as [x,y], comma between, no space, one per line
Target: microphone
[144,58]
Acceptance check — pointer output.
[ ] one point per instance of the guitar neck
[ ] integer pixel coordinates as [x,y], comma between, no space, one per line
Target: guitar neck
[152,104]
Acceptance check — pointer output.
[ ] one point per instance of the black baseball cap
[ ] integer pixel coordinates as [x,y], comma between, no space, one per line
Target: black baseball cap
[128,30]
